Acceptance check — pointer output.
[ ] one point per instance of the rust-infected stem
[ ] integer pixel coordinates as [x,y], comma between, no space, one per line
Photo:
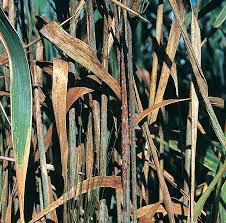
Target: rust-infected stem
[125,145]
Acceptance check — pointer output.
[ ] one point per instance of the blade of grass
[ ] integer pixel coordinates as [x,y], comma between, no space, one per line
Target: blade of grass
[21,103]
[89,149]
[202,200]
[196,43]
[194,122]
[103,215]
[72,147]
[220,18]
[75,93]
[104,99]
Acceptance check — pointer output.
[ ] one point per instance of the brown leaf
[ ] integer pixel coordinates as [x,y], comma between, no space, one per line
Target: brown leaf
[196,37]
[171,48]
[177,208]
[145,76]
[9,208]
[4,59]
[219,102]
[148,111]
[59,95]
[50,191]
[72,95]
[80,52]
[150,214]
[4,93]
[75,93]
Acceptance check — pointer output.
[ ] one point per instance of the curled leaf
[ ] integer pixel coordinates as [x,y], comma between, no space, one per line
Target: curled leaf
[75,93]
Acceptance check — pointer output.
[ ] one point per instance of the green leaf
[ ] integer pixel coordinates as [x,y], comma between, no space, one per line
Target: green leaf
[222,209]
[209,160]
[220,18]
[21,102]
[202,200]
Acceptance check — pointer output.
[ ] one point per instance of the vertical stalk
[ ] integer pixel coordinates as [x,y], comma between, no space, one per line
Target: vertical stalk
[40,137]
[187,155]
[95,103]
[161,152]
[116,154]
[132,101]
[196,44]
[72,148]
[194,121]
[103,216]
[125,145]
[104,99]
[40,194]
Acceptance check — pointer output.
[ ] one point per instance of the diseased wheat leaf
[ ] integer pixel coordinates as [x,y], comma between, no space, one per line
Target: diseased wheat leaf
[75,93]
[59,95]
[171,48]
[164,103]
[80,52]
[177,208]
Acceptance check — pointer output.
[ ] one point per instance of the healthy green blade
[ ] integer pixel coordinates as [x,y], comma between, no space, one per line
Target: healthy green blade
[202,200]
[21,102]
[220,18]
